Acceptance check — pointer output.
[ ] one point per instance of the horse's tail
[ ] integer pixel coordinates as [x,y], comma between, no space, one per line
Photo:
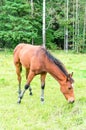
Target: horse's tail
[21,68]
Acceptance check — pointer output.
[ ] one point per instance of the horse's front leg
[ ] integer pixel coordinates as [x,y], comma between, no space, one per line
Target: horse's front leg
[43,76]
[22,93]
[29,79]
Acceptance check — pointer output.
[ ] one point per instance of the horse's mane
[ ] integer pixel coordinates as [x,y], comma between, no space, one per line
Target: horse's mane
[56,61]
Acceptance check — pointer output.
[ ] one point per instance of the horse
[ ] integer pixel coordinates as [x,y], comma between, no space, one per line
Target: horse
[38,60]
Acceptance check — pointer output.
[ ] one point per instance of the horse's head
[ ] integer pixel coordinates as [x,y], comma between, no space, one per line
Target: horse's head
[67,89]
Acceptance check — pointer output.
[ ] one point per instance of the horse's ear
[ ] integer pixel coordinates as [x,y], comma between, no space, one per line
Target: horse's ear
[69,76]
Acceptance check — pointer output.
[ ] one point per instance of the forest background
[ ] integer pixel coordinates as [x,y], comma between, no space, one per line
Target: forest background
[65,22]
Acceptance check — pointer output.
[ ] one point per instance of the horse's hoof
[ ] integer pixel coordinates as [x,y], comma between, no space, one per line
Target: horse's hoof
[19,101]
[42,102]
[31,94]
[42,99]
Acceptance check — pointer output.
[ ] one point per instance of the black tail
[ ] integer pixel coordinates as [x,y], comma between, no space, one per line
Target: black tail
[20,68]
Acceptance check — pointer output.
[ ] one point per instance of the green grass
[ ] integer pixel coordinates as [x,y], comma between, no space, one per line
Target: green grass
[55,113]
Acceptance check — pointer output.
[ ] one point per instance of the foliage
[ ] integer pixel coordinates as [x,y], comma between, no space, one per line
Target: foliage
[55,113]
[18,25]
[15,23]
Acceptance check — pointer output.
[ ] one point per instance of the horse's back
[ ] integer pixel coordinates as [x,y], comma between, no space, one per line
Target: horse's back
[25,47]
[28,53]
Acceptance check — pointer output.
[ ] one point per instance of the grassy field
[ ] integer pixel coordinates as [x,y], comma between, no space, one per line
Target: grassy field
[55,113]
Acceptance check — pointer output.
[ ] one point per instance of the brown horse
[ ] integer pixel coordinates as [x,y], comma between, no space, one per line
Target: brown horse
[37,60]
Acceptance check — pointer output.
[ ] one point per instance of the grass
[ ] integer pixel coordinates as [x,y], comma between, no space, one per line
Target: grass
[55,113]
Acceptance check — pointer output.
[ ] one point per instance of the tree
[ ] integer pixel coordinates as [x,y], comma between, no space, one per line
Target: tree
[84,28]
[32,10]
[44,26]
[73,24]
[15,23]
[66,29]
[76,26]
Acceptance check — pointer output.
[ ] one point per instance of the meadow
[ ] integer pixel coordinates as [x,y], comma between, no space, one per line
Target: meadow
[56,113]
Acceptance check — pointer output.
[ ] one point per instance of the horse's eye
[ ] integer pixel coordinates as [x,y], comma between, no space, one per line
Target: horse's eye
[70,88]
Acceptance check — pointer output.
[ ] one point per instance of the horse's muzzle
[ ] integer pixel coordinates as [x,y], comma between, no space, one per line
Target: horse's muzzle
[71,100]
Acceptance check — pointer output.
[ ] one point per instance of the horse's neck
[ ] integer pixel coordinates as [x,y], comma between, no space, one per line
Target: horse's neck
[56,73]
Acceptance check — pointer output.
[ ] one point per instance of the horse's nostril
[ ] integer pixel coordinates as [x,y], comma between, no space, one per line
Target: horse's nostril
[72,101]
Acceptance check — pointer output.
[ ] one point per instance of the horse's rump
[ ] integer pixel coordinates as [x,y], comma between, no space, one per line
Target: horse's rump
[17,51]
[26,54]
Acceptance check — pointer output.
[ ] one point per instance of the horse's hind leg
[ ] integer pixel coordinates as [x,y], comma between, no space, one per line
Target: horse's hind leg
[43,76]
[18,71]
[27,73]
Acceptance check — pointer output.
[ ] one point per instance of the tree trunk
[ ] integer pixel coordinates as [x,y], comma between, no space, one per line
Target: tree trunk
[73,26]
[66,29]
[44,29]
[32,10]
[76,27]
[84,28]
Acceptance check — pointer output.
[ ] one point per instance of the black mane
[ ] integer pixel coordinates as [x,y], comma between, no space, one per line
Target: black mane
[56,61]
